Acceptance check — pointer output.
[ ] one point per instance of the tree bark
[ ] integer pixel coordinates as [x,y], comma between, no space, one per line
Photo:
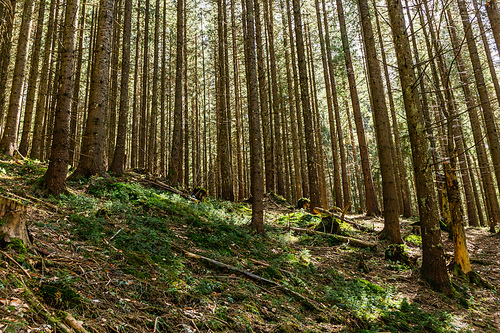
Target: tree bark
[434,263]
[8,144]
[93,154]
[55,177]
[382,130]
[307,115]
[371,200]
[119,160]
[253,116]
[175,163]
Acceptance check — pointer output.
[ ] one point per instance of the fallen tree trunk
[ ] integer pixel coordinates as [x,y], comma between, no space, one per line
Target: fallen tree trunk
[342,239]
[307,300]
[162,186]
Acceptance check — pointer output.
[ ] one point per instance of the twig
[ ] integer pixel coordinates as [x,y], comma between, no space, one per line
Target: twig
[18,264]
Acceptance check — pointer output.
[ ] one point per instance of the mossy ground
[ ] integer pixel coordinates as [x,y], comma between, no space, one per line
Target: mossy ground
[113,257]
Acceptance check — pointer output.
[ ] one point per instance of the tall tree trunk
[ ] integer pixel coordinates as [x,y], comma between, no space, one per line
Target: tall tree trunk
[312,159]
[491,199]
[491,126]
[223,140]
[296,89]
[403,176]
[278,142]
[93,154]
[36,146]
[32,82]
[9,10]
[152,159]
[175,163]
[55,177]
[330,100]
[264,103]
[253,116]
[382,129]
[371,199]
[8,144]
[119,160]
[135,108]
[434,263]
[76,91]
[293,113]
[144,93]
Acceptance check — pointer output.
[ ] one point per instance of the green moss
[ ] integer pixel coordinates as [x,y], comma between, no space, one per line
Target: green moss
[17,245]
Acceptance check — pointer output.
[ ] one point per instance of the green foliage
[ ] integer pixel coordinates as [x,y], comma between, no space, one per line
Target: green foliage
[60,294]
[77,203]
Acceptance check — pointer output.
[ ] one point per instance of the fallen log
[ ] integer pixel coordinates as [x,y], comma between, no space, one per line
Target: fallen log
[162,186]
[255,277]
[343,239]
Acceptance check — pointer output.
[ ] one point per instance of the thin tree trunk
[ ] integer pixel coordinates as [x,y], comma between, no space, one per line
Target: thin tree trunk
[491,199]
[8,144]
[382,129]
[55,177]
[36,147]
[152,159]
[253,116]
[9,10]
[135,108]
[119,158]
[76,91]
[32,82]
[175,163]
[491,126]
[371,199]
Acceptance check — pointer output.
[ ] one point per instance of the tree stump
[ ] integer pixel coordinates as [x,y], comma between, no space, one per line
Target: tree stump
[13,222]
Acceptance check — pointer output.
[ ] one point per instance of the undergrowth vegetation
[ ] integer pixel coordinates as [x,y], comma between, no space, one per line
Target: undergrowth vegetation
[133,273]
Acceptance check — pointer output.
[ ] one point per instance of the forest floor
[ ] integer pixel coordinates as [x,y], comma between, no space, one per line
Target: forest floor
[119,255]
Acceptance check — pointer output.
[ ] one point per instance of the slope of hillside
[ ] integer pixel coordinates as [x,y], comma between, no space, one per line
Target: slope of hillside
[119,255]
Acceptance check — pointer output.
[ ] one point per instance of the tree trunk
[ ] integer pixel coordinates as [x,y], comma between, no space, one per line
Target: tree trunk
[382,130]
[223,139]
[32,82]
[93,154]
[491,199]
[371,199]
[152,159]
[312,160]
[433,264]
[36,146]
[175,163]
[55,177]
[402,173]
[9,10]
[8,144]
[253,116]
[75,109]
[118,164]
[489,117]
